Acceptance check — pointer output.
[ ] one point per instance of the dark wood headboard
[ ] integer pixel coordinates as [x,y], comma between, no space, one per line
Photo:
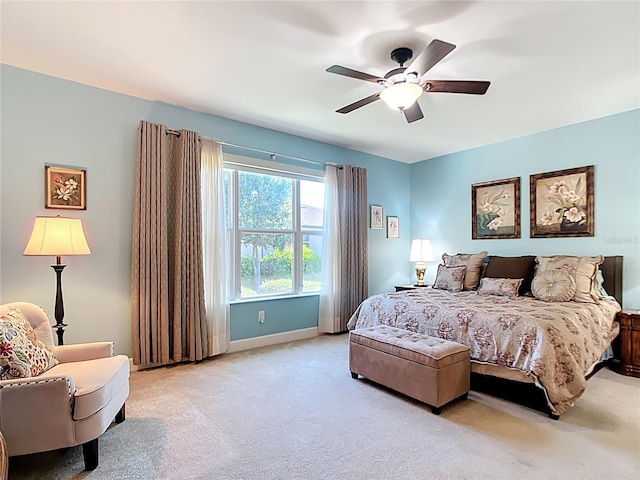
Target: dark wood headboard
[612,273]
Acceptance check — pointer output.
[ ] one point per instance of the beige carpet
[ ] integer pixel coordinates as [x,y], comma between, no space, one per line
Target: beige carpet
[294,412]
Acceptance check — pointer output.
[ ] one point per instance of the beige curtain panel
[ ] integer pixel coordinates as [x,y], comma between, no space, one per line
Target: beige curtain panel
[352,207]
[345,266]
[167,290]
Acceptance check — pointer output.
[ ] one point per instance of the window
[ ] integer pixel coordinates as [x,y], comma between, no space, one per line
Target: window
[275,227]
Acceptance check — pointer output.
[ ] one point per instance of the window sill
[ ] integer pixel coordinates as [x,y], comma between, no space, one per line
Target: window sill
[270,298]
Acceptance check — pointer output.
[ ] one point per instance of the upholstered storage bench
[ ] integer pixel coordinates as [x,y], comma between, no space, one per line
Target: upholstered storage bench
[429,369]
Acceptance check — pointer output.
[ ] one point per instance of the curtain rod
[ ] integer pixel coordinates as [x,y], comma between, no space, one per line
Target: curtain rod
[272,154]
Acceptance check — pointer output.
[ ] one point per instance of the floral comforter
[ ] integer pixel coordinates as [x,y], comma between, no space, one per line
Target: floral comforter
[554,343]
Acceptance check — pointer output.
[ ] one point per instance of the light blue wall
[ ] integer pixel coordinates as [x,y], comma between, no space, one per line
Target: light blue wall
[289,314]
[49,120]
[441,193]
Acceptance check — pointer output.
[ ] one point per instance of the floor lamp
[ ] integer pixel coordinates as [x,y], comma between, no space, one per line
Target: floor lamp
[57,236]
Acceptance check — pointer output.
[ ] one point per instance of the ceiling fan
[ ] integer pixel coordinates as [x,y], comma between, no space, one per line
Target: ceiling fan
[403,85]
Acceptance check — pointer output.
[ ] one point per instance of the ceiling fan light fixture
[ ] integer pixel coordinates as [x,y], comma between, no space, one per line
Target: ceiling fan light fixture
[401,95]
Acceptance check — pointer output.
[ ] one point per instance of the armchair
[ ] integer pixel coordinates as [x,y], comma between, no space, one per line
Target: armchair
[68,405]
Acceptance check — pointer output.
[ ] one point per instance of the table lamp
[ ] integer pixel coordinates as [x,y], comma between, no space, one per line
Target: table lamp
[421,252]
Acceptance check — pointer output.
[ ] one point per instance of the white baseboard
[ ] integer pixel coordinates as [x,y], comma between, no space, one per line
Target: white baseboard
[273,339]
[255,342]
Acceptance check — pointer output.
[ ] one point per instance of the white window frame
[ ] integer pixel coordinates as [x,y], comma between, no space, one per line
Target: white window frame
[235,163]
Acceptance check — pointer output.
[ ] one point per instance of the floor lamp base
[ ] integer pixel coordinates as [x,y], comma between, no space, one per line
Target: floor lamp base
[59,328]
[59,309]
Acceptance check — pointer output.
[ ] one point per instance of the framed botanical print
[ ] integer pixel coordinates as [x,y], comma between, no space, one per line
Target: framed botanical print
[562,203]
[495,209]
[376,217]
[393,227]
[65,188]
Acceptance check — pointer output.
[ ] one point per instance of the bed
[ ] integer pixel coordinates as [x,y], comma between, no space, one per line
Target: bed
[551,345]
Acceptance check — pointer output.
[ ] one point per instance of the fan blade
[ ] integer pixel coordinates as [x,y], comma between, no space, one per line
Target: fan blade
[432,54]
[359,103]
[348,72]
[413,113]
[456,86]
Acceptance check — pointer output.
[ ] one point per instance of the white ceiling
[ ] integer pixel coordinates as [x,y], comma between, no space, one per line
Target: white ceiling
[550,63]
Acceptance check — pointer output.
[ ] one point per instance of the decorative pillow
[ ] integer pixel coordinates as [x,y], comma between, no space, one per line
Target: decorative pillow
[450,278]
[22,354]
[553,286]
[507,287]
[512,267]
[473,262]
[582,269]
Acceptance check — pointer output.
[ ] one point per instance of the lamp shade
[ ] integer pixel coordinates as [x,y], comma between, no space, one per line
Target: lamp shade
[421,250]
[401,95]
[57,236]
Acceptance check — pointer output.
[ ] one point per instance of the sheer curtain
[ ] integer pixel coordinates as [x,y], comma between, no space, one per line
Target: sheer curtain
[346,251]
[167,287]
[329,316]
[214,247]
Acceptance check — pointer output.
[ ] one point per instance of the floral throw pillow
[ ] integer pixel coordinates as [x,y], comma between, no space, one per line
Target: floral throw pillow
[21,353]
[450,278]
[507,287]
[473,262]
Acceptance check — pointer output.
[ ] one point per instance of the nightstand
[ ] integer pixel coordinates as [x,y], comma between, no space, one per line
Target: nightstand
[629,342]
[399,288]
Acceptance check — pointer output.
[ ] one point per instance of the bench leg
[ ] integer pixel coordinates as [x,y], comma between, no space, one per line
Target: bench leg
[436,410]
[354,375]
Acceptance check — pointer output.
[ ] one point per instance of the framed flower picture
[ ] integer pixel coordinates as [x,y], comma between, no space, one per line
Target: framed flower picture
[393,227]
[376,217]
[495,209]
[65,188]
[562,203]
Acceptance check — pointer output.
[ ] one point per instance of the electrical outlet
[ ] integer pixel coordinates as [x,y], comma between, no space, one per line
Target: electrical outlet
[261,316]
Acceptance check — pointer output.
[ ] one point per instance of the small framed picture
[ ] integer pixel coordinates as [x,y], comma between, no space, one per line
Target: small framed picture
[393,228]
[65,188]
[376,217]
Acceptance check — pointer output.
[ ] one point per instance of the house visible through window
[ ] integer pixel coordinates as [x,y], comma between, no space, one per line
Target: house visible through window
[275,228]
